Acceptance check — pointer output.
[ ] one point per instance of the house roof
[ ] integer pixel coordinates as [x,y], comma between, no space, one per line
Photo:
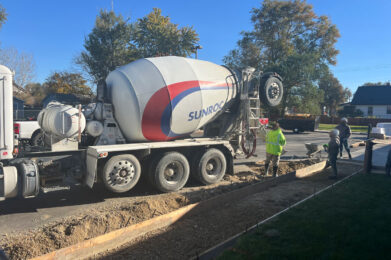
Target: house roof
[17,88]
[372,95]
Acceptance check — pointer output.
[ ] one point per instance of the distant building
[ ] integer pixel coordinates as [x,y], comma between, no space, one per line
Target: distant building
[18,108]
[17,90]
[373,101]
[68,99]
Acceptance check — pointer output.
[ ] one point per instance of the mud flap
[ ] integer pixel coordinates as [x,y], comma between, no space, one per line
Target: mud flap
[92,163]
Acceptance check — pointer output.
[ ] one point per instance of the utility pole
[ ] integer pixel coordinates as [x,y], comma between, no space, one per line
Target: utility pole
[195,49]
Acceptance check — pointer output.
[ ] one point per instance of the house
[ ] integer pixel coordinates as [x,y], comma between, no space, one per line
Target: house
[373,101]
[68,99]
[18,90]
[18,108]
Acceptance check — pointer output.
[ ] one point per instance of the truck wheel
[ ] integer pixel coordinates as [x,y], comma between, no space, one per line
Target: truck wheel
[121,173]
[210,167]
[169,172]
[37,139]
[271,91]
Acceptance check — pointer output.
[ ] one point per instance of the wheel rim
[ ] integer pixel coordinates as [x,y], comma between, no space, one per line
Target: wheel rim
[121,174]
[173,172]
[274,91]
[213,167]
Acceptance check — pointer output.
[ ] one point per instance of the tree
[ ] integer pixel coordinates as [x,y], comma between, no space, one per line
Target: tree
[108,46]
[3,15]
[334,93]
[115,42]
[347,94]
[350,111]
[22,63]
[290,39]
[377,84]
[67,83]
[36,93]
[306,99]
[157,36]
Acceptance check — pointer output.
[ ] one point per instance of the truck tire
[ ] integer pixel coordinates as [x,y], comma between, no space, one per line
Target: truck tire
[169,172]
[37,139]
[271,91]
[209,167]
[121,173]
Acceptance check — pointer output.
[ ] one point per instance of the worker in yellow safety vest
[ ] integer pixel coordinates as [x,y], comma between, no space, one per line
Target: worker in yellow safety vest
[275,141]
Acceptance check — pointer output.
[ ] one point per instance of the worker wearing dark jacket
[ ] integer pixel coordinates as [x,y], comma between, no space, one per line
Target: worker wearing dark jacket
[344,134]
[388,164]
[275,141]
[333,148]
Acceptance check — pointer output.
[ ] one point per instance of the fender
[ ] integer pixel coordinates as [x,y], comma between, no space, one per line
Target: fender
[271,74]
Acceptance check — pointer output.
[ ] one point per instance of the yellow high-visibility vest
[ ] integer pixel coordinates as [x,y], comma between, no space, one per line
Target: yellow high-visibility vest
[275,141]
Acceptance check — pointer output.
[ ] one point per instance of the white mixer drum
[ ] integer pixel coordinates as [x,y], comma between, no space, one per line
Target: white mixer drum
[163,98]
[61,120]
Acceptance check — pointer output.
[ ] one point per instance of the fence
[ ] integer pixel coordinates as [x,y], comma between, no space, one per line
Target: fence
[27,114]
[364,121]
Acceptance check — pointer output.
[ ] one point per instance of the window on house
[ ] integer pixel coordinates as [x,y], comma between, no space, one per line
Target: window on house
[388,110]
[370,111]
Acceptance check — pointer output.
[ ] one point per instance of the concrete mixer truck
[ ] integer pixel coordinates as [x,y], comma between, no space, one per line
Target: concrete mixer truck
[141,123]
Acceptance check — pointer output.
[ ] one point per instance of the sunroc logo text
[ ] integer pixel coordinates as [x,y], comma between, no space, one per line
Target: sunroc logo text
[206,111]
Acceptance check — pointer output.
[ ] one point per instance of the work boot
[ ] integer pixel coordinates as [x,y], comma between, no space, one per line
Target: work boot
[327,164]
[275,170]
[266,168]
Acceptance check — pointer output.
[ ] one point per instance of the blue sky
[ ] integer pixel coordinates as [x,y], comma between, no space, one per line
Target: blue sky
[54,31]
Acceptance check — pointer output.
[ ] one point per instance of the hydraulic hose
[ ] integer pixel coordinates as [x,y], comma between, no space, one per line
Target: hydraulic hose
[249,152]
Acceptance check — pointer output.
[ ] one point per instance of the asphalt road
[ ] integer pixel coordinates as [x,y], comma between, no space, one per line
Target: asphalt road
[18,215]
[295,145]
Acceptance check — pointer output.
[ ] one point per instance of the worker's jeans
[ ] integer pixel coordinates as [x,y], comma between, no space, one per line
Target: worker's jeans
[344,142]
[388,163]
[275,159]
[333,162]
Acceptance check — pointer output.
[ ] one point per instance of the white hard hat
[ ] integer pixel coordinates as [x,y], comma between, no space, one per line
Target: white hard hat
[334,132]
[344,119]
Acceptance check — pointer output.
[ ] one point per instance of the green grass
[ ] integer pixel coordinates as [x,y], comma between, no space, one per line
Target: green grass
[355,128]
[350,221]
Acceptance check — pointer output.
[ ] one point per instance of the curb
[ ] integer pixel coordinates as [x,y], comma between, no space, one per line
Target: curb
[325,131]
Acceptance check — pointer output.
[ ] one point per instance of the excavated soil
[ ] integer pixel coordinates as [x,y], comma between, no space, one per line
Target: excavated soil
[100,220]
[192,235]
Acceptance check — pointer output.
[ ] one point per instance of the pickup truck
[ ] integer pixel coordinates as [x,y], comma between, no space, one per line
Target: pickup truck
[28,132]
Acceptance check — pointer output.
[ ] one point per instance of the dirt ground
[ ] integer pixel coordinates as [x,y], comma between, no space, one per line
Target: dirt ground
[211,228]
[97,221]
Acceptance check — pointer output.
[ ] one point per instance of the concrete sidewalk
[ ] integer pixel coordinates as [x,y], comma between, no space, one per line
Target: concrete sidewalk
[379,155]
